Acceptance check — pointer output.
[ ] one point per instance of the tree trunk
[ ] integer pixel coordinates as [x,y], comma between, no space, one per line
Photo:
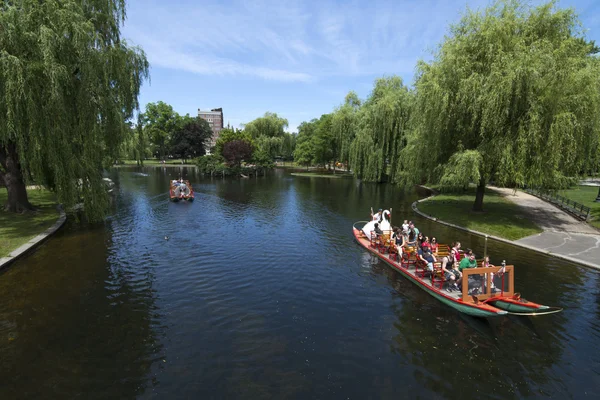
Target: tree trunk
[12,176]
[478,205]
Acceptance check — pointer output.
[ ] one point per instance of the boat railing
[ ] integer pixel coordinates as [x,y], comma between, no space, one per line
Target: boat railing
[486,282]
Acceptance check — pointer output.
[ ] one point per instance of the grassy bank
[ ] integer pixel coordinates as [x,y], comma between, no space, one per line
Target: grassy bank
[17,229]
[586,196]
[321,175]
[500,216]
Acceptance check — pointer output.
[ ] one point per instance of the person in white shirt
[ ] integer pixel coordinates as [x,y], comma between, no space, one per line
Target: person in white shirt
[405,227]
[376,216]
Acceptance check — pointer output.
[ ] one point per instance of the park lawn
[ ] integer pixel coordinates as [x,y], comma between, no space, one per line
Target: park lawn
[586,196]
[17,229]
[500,217]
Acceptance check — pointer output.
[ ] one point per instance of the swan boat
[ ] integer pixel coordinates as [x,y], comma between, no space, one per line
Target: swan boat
[181,191]
[486,292]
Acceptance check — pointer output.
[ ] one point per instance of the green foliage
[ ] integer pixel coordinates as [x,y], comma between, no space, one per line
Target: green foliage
[269,125]
[210,164]
[304,153]
[382,129]
[67,83]
[516,85]
[463,168]
[288,146]
[160,124]
[316,142]
[269,145]
[142,150]
[227,135]
[325,142]
[190,140]
[262,160]
[344,125]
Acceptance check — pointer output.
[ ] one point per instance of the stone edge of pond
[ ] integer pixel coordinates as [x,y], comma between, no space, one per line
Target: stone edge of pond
[34,242]
[434,193]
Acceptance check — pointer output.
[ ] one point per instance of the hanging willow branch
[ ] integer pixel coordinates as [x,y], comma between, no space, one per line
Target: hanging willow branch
[383,124]
[67,83]
[516,85]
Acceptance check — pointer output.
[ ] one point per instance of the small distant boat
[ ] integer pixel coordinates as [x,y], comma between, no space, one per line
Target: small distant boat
[484,299]
[181,190]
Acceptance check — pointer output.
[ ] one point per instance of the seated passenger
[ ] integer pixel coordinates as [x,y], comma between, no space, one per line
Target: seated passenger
[420,239]
[486,264]
[412,227]
[456,251]
[451,274]
[377,215]
[412,239]
[425,255]
[377,231]
[395,234]
[400,244]
[426,243]
[405,227]
[434,246]
[475,281]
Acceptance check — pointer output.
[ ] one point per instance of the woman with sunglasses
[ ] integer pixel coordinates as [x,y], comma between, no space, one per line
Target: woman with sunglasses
[434,246]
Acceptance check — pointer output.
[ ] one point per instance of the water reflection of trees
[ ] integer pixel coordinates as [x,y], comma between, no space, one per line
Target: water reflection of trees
[79,324]
[465,357]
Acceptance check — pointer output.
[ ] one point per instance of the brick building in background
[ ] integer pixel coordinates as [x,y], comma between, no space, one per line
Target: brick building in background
[214,118]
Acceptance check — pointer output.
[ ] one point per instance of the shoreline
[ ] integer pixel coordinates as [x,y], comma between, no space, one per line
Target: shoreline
[33,243]
[546,252]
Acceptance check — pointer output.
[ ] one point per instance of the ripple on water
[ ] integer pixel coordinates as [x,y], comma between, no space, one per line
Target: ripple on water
[261,292]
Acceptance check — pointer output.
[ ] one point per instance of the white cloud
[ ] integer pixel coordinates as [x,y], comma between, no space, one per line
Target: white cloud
[161,54]
[286,41]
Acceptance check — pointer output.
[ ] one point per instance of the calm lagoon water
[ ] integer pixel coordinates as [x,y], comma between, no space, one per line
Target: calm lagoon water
[261,292]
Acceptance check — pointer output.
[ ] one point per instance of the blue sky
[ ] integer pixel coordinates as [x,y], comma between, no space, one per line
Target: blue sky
[295,58]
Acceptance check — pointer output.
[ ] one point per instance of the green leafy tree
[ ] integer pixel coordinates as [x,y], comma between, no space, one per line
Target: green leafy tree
[288,146]
[227,135]
[511,95]
[304,153]
[191,139]
[324,141]
[141,141]
[268,145]
[127,149]
[344,125]
[68,81]
[382,129]
[211,163]
[270,125]
[160,124]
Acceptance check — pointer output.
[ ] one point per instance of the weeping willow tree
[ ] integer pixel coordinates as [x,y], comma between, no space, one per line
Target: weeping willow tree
[382,128]
[67,83]
[268,133]
[344,124]
[270,125]
[512,95]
